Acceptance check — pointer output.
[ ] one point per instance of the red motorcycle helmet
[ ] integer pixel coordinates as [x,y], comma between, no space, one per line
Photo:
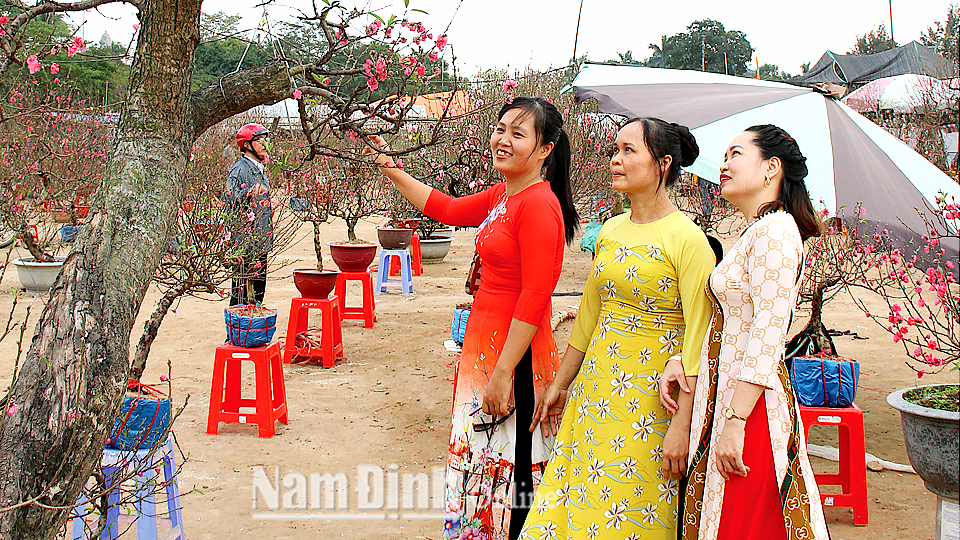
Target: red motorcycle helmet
[249,132]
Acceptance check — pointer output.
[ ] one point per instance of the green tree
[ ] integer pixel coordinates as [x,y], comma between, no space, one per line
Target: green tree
[705,46]
[625,58]
[98,73]
[222,48]
[772,72]
[874,41]
[942,36]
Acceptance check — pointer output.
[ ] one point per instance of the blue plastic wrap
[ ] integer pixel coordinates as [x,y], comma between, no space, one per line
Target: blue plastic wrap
[824,381]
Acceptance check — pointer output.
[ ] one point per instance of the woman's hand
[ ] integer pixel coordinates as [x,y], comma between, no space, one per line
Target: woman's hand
[549,411]
[380,142]
[676,445]
[729,449]
[672,375]
[496,396]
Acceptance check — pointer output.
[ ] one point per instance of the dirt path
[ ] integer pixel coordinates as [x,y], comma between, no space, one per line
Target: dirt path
[386,406]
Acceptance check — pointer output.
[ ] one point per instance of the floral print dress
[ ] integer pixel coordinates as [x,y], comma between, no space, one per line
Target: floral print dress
[642,303]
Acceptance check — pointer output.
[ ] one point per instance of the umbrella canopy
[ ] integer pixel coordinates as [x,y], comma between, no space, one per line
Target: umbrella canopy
[850,159]
[903,93]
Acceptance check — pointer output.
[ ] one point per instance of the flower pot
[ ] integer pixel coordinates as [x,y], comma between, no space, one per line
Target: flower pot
[61,215]
[316,284]
[299,204]
[433,250]
[445,232]
[932,440]
[409,224]
[81,210]
[353,257]
[37,277]
[250,326]
[391,238]
[68,233]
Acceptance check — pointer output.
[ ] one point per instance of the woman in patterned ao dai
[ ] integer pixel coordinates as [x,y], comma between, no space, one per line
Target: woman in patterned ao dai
[750,477]
[644,302]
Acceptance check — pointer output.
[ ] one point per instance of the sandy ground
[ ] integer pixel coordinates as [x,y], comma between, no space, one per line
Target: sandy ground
[385,408]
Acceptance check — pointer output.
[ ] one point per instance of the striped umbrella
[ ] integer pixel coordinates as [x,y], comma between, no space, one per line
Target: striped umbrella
[851,160]
[904,93]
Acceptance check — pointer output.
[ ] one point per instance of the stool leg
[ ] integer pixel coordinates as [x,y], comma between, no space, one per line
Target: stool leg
[857,471]
[231,400]
[79,522]
[382,272]
[279,387]
[112,530]
[406,274]
[174,509]
[369,303]
[338,329]
[290,342]
[216,395]
[843,472]
[417,257]
[146,504]
[263,400]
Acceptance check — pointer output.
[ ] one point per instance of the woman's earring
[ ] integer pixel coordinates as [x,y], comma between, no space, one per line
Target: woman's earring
[766,181]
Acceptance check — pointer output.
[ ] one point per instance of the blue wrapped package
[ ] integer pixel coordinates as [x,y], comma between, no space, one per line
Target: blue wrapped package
[143,420]
[249,331]
[825,381]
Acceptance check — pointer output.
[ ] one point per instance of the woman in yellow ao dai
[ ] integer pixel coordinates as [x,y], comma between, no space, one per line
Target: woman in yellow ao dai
[643,302]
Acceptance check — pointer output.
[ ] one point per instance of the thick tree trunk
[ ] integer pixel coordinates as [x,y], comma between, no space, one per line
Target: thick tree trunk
[351,228]
[78,362]
[815,328]
[150,329]
[317,247]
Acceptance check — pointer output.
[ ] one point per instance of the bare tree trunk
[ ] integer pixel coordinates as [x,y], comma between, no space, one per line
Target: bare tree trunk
[78,360]
[351,228]
[818,332]
[150,329]
[317,246]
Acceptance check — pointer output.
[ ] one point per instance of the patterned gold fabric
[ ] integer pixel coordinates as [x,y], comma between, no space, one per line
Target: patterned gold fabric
[754,291]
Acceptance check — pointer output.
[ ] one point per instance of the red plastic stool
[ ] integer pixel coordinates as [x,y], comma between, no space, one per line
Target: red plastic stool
[852,477]
[414,254]
[367,311]
[271,396]
[331,341]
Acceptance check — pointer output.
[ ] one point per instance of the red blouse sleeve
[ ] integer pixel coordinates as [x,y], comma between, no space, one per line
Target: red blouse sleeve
[468,211]
[540,233]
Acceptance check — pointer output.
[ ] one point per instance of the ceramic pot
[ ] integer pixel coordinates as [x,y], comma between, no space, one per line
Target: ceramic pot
[313,283]
[391,238]
[353,257]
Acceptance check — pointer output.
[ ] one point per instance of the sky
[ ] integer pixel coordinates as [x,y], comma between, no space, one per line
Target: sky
[540,33]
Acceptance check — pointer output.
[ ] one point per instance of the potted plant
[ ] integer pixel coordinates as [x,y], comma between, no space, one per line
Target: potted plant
[354,192]
[919,287]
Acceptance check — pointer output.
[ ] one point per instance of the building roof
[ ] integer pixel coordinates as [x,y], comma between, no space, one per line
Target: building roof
[847,69]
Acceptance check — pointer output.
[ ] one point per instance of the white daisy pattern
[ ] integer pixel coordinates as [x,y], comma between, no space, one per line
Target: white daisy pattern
[604,483]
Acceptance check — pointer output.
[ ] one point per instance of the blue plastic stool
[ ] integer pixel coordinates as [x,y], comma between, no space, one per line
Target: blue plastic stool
[406,273]
[119,462]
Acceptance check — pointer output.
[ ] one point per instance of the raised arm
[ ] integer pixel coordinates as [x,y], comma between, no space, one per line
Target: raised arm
[467,211]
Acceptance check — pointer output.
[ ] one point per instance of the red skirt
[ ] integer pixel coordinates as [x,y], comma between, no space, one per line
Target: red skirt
[751,504]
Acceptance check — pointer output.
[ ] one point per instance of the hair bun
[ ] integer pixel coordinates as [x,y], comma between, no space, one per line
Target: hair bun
[689,149]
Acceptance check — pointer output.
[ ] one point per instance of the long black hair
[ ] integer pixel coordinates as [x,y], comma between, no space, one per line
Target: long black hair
[548,125]
[668,139]
[793,197]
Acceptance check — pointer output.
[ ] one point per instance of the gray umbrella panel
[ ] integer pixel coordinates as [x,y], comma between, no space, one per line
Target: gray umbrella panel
[692,105]
[860,163]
